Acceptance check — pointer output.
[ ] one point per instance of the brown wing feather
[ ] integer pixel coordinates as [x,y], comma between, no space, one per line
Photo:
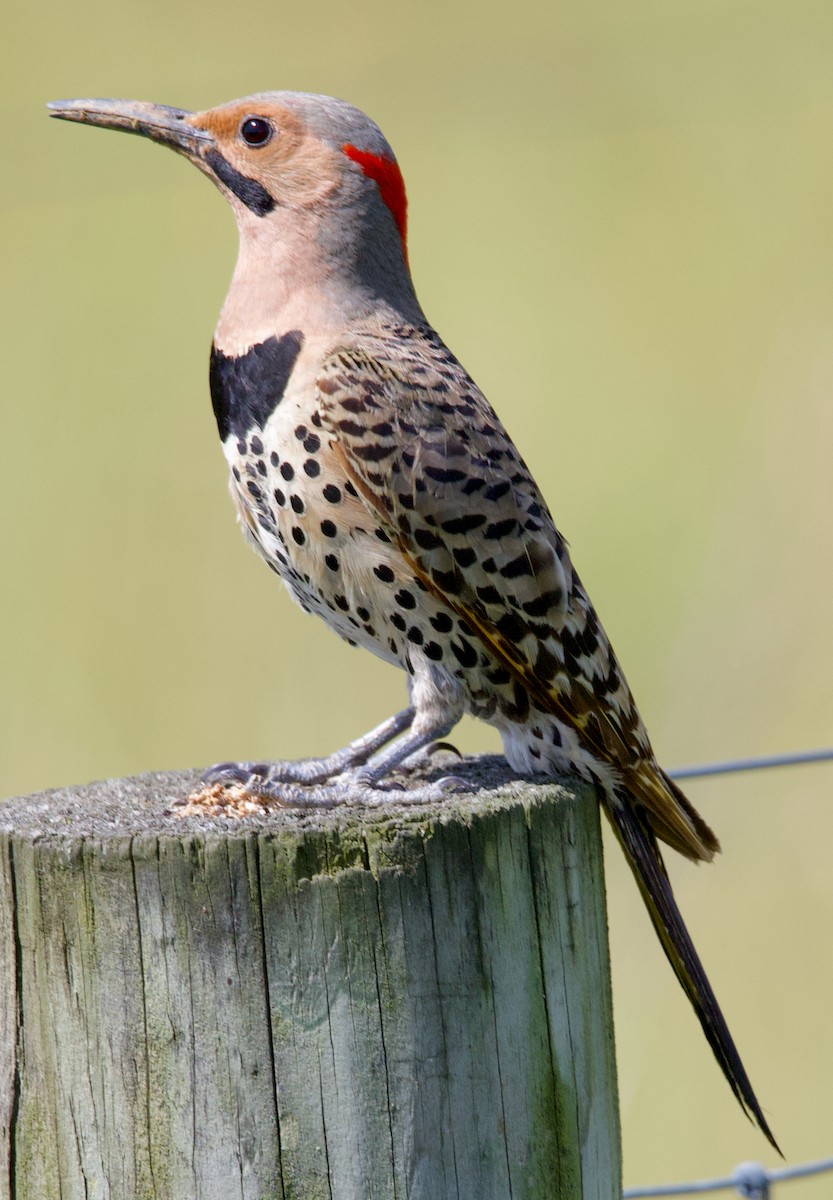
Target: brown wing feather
[430,458]
[431,461]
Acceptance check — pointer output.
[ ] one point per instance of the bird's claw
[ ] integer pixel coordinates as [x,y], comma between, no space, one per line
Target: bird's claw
[442,748]
[355,787]
[235,773]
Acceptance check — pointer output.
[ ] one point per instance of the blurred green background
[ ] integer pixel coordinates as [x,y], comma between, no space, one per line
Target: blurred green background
[622,222]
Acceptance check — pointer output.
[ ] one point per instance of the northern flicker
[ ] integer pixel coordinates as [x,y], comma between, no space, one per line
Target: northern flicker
[375,479]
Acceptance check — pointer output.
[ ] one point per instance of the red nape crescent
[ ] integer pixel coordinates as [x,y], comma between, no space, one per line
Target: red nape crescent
[391,186]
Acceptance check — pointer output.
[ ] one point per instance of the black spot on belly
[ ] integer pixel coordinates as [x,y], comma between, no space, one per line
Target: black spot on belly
[465,653]
[442,622]
[246,389]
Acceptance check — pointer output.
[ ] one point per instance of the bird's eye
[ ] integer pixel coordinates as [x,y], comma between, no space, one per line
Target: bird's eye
[256,131]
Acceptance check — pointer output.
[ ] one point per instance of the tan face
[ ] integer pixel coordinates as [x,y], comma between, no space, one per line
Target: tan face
[271,147]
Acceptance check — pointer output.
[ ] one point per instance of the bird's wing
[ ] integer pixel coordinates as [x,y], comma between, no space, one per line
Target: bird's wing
[430,458]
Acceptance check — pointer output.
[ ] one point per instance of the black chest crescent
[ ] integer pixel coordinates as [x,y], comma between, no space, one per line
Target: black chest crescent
[247,388]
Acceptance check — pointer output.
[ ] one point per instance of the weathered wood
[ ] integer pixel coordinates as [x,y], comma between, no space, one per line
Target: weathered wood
[408,1004]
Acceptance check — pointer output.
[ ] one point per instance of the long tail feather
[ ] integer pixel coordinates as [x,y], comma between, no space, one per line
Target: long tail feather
[642,852]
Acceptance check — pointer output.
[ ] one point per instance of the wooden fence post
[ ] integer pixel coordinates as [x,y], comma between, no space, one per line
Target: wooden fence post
[398,1004]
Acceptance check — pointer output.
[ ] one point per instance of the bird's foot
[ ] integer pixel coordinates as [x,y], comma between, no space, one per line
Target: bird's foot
[313,770]
[266,784]
[369,771]
[363,787]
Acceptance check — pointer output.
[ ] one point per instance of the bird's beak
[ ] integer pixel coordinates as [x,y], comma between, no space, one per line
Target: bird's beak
[168,126]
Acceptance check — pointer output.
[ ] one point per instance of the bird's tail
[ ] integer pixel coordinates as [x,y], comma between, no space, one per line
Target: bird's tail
[642,852]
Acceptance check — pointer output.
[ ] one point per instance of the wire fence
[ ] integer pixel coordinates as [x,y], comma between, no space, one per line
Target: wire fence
[749,1179]
[732,766]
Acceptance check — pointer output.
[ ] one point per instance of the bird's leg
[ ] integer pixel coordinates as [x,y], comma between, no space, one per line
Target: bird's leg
[314,770]
[414,740]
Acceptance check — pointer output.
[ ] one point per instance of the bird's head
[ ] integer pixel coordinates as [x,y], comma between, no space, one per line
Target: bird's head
[306,175]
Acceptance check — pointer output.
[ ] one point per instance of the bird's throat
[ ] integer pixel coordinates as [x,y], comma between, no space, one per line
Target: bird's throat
[288,276]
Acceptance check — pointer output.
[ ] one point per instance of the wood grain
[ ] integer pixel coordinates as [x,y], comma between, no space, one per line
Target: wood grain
[408,1003]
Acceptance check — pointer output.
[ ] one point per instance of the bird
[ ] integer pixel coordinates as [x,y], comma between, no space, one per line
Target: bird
[375,479]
